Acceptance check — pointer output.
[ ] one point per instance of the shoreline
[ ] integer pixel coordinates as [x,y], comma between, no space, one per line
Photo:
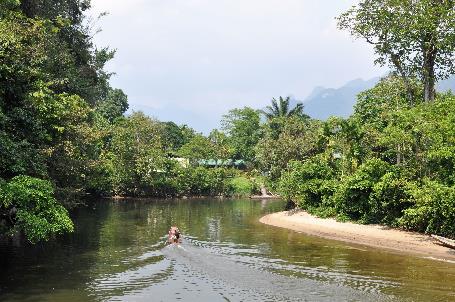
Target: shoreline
[376,236]
[184,197]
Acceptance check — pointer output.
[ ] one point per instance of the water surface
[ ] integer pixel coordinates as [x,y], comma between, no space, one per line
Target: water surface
[118,253]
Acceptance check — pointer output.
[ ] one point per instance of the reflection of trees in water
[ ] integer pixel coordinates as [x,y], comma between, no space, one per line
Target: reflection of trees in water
[134,279]
[214,229]
[116,249]
[61,263]
[133,229]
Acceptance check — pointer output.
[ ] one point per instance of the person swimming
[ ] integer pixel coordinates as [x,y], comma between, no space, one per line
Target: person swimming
[174,235]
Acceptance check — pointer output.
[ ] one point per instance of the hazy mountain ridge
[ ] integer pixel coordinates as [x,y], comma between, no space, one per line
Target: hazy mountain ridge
[325,102]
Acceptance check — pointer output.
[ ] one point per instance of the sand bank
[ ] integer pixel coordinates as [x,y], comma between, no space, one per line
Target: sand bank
[370,235]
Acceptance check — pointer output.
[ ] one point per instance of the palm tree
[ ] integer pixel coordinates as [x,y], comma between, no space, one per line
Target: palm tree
[280,108]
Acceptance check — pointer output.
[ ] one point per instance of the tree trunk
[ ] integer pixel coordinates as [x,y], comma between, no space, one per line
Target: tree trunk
[407,84]
[263,190]
[429,83]
[429,58]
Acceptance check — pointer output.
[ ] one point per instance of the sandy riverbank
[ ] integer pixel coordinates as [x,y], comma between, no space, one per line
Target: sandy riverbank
[370,235]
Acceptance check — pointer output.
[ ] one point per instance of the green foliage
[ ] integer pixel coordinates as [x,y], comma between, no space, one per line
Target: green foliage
[8,5]
[353,193]
[114,106]
[413,37]
[201,181]
[343,141]
[374,106]
[310,183]
[174,136]
[422,138]
[286,139]
[135,155]
[241,186]
[389,198]
[198,148]
[243,129]
[392,162]
[32,208]
[220,143]
[433,209]
[281,108]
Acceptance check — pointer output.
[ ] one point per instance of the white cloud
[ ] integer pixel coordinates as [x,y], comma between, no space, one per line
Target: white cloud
[212,55]
[117,7]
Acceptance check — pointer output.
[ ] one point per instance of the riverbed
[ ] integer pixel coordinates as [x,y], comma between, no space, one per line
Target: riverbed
[118,253]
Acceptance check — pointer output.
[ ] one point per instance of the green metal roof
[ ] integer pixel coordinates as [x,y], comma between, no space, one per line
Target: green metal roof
[220,162]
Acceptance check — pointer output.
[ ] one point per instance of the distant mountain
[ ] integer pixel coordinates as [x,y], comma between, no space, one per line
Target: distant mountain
[325,102]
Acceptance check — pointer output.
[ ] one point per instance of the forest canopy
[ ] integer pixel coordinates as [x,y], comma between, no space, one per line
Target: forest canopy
[64,133]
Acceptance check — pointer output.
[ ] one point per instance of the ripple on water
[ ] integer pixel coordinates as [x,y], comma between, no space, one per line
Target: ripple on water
[198,271]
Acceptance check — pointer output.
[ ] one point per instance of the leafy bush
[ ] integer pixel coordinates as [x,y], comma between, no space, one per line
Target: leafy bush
[33,208]
[352,197]
[205,181]
[388,200]
[240,186]
[308,183]
[433,211]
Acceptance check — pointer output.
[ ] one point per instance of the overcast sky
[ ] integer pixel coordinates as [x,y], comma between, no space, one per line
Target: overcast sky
[191,61]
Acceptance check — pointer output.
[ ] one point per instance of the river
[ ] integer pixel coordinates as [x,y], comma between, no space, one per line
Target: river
[118,253]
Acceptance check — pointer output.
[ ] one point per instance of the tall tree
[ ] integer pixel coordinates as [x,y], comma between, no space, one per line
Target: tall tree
[243,128]
[415,37]
[198,148]
[136,153]
[221,147]
[295,140]
[34,122]
[52,79]
[174,136]
[114,105]
[281,108]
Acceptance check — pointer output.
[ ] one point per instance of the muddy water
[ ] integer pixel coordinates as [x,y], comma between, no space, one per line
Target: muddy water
[118,253]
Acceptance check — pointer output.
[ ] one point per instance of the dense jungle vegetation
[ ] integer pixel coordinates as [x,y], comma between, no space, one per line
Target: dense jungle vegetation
[64,133]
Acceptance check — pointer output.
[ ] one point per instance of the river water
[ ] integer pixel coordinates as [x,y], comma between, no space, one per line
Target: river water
[118,253]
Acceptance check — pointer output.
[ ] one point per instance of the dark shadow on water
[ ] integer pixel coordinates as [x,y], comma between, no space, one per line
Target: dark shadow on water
[118,253]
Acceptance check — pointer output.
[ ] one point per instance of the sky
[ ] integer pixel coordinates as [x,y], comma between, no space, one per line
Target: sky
[191,61]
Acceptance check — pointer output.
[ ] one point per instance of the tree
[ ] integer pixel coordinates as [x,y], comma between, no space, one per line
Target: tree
[136,154]
[221,148]
[374,106]
[55,100]
[114,106]
[23,44]
[174,136]
[377,107]
[76,65]
[343,141]
[29,206]
[281,108]
[415,38]
[7,5]
[198,148]
[243,128]
[426,136]
[68,9]
[296,140]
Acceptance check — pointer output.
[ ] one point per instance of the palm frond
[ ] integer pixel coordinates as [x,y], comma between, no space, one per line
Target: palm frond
[275,106]
[298,111]
[281,108]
